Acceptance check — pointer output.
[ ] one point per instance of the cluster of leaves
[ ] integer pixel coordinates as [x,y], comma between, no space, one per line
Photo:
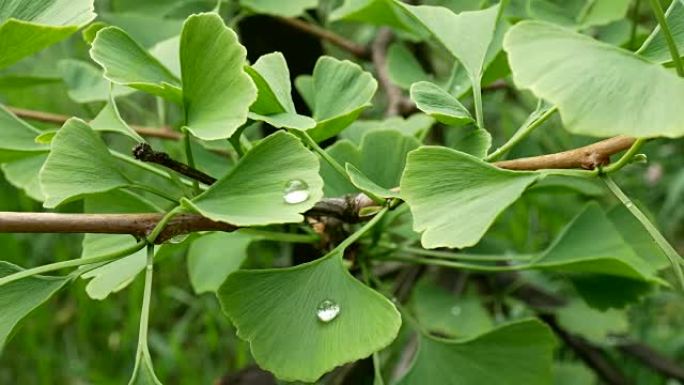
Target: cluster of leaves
[449,195]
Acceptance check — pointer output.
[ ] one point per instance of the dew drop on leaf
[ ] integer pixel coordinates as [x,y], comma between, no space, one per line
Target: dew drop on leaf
[296,191]
[327,310]
[456,311]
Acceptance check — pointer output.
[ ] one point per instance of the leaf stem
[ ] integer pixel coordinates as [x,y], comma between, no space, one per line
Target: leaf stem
[635,24]
[187,141]
[522,132]
[147,296]
[459,265]
[452,256]
[661,241]
[477,99]
[665,28]
[626,158]
[162,224]
[358,233]
[71,263]
[281,237]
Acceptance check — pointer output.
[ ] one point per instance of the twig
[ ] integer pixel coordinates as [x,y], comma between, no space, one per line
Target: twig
[354,48]
[653,359]
[145,153]
[591,355]
[379,55]
[587,157]
[48,117]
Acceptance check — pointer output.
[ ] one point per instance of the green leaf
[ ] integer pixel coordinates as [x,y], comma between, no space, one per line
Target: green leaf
[415,125]
[600,90]
[85,82]
[166,51]
[274,103]
[570,373]
[17,138]
[143,373]
[341,90]
[19,298]
[448,314]
[403,68]
[467,35]
[212,257]
[436,102]
[126,63]
[276,311]
[579,250]
[378,12]
[363,183]
[655,47]
[455,197]
[380,157]
[79,164]
[217,92]
[28,26]
[579,13]
[516,353]
[253,192]
[289,8]
[639,239]
[109,120]
[113,276]
[23,173]
[470,139]
[594,325]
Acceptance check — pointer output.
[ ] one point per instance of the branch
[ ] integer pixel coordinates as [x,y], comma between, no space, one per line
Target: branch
[379,55]
[145,153]
[587,157]
[652,358]
[161,133]
[354,48]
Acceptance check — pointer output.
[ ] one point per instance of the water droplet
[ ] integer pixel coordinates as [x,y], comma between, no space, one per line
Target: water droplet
[327,311]
[296,191]
[456,311]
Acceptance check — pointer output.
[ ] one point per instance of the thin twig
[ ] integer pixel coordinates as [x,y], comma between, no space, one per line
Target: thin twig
[379,55]
[354,48]
[587,157]
[145,153]
[653,359]
[48,117]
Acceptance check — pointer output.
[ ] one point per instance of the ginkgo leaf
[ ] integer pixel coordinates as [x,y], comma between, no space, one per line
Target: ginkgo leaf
[592,324]
[109,120]
[273,183]
[378,12]
[28,26]
[303,321]
[467,35]
[454,197]
[340,91]
[86,83]
[403,68]
[415,125]
[363,183]
[289,8]
[380,158]
[436,102]
[126,63]
[23,173]
[19,298]
[274,103]
[520,352]
[79,164]
[113,276]
[17,138]
[217,92]
[579,13]
[600,90]
[143,372]
[212,257]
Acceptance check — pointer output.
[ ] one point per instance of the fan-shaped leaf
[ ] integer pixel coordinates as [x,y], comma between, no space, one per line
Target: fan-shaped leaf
[517,353]
[436,102]
[253,193]
[85,82]
[212,257]
[289,8]
[455,197]
[19,298]
[655,47]
[600,90]
[276,311]
[217,92]
[28,26]
[17,138]
[126,63]
[79,164]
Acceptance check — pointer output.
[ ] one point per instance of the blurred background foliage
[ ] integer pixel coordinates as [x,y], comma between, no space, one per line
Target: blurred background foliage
[76,340]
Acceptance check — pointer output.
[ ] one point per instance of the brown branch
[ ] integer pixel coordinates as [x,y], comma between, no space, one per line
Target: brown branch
[354,48]
[48,117]
[587,157]
[652,358]
[379,55]
[145,153]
